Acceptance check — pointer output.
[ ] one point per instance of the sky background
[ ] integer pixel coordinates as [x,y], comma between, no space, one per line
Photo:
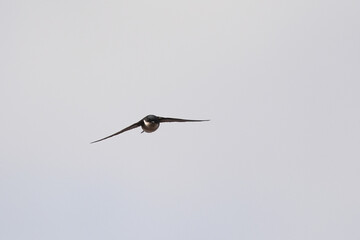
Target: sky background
[280,81]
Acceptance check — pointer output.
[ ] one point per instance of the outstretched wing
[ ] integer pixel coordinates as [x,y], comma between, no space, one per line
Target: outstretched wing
[166,119]
[135,125]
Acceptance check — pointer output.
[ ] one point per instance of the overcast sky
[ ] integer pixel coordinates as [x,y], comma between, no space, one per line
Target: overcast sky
[280,81]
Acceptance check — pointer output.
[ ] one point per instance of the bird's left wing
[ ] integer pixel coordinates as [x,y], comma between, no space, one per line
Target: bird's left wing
[167,119]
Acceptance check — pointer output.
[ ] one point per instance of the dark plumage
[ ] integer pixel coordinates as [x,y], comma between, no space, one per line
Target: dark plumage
[149,124]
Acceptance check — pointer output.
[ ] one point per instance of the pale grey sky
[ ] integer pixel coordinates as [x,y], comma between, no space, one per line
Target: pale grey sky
[278,79]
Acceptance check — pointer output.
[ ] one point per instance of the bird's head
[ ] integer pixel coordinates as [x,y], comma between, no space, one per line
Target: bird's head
[151,118]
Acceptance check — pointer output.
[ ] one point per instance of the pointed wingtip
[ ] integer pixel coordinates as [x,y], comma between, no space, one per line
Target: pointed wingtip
[96,141]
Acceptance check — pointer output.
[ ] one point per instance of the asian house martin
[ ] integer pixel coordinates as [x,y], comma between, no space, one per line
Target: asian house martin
[149,124]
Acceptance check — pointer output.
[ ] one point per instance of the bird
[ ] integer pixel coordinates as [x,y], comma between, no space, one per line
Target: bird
[149,124]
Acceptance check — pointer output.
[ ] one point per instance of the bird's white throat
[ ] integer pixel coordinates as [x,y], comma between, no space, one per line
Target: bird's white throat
[150,126]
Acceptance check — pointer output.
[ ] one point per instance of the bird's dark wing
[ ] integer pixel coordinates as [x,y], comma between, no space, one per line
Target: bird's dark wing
[166,119]
[135,125]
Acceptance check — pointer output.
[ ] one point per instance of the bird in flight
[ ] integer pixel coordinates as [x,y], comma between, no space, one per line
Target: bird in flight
[149,124]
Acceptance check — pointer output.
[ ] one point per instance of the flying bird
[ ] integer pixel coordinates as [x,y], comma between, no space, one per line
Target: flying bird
[149,124]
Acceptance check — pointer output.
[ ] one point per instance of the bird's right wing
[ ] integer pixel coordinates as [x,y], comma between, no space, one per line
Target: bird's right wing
[135,125]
